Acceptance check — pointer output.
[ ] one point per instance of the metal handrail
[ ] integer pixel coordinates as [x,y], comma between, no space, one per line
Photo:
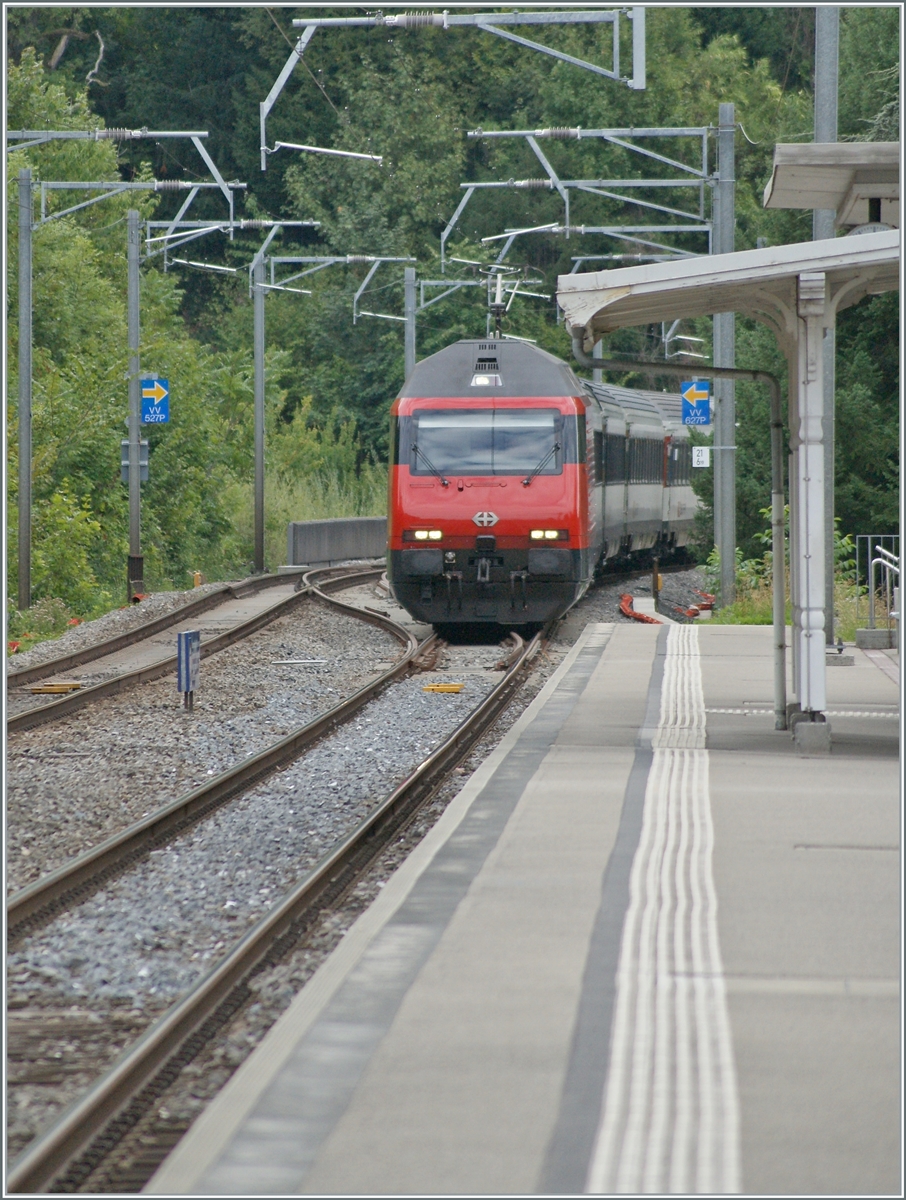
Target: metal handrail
[890,563]
[867,546]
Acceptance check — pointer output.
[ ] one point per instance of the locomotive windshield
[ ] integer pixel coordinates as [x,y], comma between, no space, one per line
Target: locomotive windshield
[510,441]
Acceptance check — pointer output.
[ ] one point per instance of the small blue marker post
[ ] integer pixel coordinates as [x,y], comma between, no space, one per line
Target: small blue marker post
[188,665]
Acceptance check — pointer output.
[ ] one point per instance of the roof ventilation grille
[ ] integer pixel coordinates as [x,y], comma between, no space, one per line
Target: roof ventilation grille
[485,365]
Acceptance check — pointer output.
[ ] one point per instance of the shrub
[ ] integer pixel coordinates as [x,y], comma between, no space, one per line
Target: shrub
[46,619]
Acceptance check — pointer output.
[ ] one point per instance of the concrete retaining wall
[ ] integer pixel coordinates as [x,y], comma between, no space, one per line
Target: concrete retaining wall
[320,543]
[876,639]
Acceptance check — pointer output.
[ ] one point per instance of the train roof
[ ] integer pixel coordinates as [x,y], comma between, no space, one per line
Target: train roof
[522,369]
[666,406]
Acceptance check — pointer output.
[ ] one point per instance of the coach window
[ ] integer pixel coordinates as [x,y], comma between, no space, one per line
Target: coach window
[615,458]
[679,464]
[599,456]
[645,460]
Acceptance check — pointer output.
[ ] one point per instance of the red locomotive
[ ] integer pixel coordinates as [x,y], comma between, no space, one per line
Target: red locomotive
[512,481]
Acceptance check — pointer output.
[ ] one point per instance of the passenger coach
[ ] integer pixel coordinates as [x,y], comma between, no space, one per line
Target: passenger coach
[512,482]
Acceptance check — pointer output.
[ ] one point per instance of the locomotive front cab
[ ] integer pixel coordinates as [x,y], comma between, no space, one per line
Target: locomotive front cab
[488,500]
[485,505]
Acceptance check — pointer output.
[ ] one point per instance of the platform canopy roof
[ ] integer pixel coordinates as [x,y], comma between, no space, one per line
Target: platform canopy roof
[757,283]
[838,175]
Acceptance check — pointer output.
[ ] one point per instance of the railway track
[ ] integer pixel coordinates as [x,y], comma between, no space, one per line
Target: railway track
[75,783]
[73,1146]
[42,900]
[21,676]
[142,644]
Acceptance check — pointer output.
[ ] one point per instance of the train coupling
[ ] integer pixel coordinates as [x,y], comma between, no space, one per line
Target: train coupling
[519,577]
[451,577]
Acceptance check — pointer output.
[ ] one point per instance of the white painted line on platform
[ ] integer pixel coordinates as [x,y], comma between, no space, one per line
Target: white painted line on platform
[762,985]
[886,664]
[671,1108]
[831,712]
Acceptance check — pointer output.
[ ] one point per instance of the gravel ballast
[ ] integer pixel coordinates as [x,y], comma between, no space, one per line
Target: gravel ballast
[153,930]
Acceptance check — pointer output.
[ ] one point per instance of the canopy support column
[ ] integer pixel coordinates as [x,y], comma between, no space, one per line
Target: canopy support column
[807,437]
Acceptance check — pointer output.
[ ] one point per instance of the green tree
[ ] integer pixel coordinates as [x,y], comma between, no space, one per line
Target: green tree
[869,72]
[79,506]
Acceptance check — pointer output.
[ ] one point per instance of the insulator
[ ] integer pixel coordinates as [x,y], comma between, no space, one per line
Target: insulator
[255,224]
[562,132]
[532,184]
[119,135]
[170,185]
[416,20]
[360,258]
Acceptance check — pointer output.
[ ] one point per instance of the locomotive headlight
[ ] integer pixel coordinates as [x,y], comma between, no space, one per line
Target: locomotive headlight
[549,535]
[421,535]
[434,535]
[537,535]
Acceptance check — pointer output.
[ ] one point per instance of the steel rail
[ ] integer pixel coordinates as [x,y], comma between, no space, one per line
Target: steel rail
[66,1153]
[59,889]
[47,713]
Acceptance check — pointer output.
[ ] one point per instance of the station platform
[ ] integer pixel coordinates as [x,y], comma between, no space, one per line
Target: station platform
[649,947]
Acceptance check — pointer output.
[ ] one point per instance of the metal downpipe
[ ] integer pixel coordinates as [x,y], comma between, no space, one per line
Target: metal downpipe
[777,498]
[24,414]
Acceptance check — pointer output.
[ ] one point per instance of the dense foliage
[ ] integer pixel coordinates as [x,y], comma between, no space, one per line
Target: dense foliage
[412,97]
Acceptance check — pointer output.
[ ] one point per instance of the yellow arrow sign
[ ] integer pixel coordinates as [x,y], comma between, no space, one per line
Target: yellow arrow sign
[692,393]
[154,392]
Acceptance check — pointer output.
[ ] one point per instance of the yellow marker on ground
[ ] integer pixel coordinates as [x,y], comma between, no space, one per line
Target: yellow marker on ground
[46,689]
[443,687]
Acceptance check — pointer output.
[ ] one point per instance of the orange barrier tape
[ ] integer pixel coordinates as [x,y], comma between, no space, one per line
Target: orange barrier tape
[628,611]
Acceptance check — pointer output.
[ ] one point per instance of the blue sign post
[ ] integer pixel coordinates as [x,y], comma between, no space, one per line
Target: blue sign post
[696,402]
[155,401]
[188,665]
